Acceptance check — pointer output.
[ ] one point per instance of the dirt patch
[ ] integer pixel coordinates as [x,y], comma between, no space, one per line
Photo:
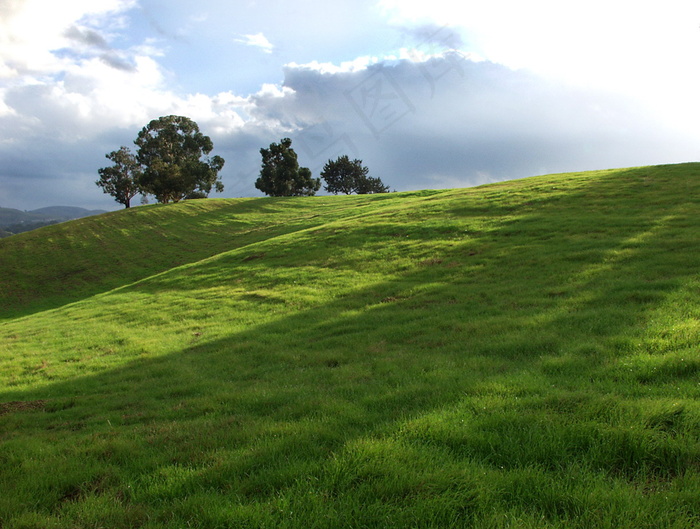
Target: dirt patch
[17,406]
[253,257]
[391,299]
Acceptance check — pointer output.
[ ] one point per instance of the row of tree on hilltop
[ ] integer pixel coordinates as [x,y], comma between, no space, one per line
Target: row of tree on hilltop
[172,163]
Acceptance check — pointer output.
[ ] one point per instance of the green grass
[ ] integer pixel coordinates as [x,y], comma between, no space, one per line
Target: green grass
[523,354]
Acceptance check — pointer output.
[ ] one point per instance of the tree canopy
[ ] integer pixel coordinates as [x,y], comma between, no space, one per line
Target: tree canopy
[174,156]
[350,176]
[281,176]
[121,180]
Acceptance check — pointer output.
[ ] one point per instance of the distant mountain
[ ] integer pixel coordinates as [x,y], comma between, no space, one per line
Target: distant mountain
[66,212]
[14,221]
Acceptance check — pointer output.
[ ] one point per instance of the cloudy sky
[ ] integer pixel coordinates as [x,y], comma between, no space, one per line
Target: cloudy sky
[429,94]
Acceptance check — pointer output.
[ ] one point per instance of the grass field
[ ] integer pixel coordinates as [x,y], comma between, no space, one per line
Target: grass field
[523,354]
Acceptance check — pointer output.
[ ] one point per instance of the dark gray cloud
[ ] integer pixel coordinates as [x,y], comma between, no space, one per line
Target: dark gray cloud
[433,39]
[452,121]
[86,37]
[117,62]
[90,42]
[446,122]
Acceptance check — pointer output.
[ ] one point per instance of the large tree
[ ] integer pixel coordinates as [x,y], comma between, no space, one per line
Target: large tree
[281,176]
[350,176]
[174,154]
[121,180]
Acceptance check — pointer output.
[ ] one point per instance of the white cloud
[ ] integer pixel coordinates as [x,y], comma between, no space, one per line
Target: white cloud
[32,30]
[358,64]
[588,42]
[64,80]
[648,51]
[257,41]
[414,54]
[61,74]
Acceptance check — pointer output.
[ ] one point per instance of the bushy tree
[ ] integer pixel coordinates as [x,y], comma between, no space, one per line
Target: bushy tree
[341,175]
[369,185]
[121,180]
[281,176]
[350,176]
[174,155]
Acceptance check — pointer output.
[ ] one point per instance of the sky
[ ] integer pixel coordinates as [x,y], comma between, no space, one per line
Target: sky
[429,95]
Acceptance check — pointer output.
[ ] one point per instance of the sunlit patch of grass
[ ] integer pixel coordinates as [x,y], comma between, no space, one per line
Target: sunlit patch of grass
[517,355]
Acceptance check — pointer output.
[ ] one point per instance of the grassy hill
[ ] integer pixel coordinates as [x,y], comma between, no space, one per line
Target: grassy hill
[522,354]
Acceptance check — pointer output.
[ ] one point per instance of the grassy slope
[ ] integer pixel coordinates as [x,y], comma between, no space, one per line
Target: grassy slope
[516,355]
[73,260]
